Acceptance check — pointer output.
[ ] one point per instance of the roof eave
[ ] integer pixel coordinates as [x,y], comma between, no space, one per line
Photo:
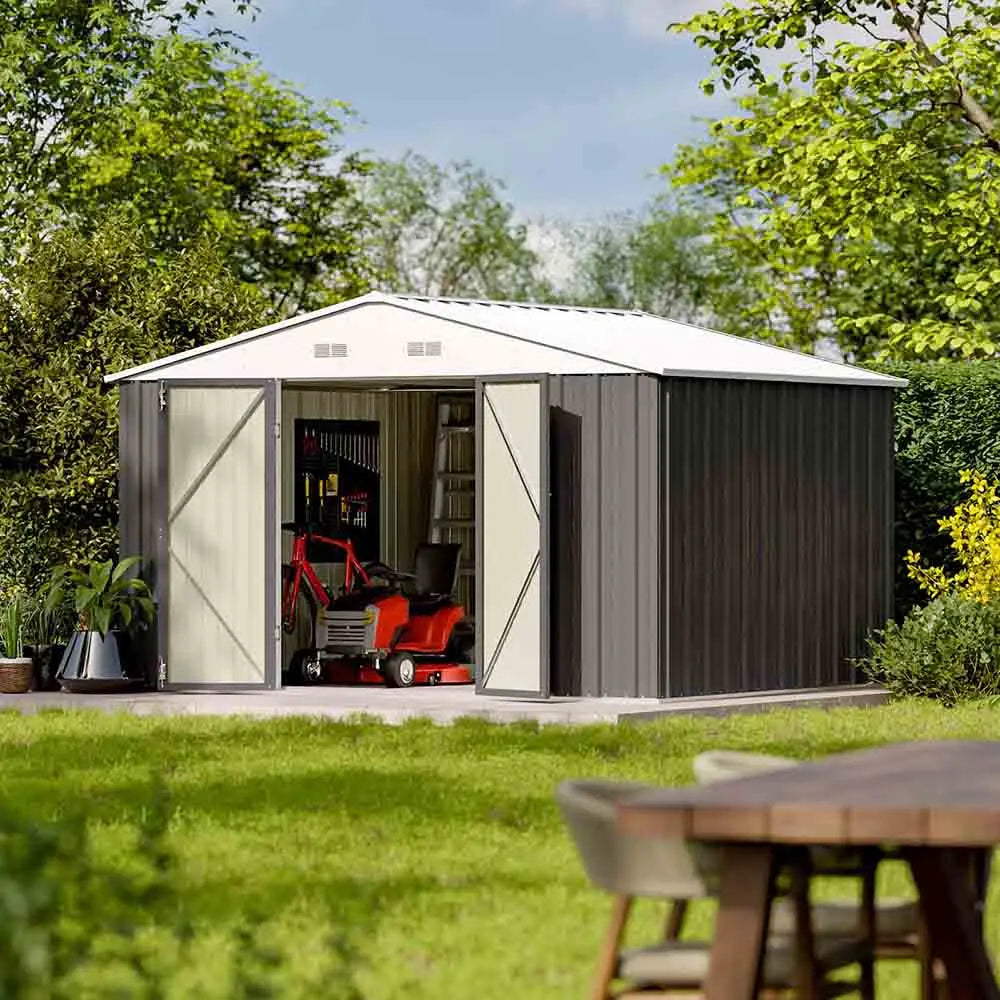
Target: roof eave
[880,382]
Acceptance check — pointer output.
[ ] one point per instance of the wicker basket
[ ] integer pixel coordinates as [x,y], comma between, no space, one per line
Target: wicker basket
[15,676]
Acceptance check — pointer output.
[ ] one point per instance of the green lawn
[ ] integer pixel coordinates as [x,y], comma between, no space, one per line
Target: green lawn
[438,848]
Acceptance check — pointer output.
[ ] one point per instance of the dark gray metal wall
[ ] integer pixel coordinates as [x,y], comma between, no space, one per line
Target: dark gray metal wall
[605,535]
[780,532]
[138,487]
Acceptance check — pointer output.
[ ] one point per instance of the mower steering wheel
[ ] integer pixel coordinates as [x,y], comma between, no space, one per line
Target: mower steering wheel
[386,572]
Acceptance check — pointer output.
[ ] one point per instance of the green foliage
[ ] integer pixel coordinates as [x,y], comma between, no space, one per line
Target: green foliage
[947,419]
[661,260]
[862,178]
[446,230]
[85,303]
[12,613]
[74,924]
[948,650]
[206,147]
[975,540]
[102,595]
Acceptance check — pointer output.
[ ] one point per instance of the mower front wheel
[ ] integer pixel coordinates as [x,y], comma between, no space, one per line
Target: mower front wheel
[399,670]
[306,667]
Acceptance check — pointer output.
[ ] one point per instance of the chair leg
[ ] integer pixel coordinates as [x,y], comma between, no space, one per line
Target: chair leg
[926,964]
[869,931]
[608,960]
[807,974]
[675,920]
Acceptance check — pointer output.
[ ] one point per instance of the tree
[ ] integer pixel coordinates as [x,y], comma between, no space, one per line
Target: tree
[661,259]
[118,103]
[200,146]
[862,178]
[446,230]
[81,304]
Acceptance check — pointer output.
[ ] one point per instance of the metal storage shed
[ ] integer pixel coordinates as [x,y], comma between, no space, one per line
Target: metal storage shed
[660,510]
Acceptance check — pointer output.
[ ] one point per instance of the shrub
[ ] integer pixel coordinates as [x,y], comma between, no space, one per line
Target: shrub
[975,539]
[946,420]
[948,650]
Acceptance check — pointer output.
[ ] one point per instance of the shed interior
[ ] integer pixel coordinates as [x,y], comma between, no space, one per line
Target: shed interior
[379,454]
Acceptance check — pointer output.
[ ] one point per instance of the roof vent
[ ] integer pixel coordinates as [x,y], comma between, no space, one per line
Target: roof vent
[329,350]
[423,349]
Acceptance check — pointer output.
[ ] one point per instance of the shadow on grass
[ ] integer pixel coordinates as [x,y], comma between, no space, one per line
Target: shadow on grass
[397,799]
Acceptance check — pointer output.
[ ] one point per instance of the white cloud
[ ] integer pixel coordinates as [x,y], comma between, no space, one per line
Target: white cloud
[643,18]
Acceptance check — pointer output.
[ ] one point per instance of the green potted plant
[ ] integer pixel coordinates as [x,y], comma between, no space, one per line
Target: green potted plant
[47,628]
[110,608]
[15,667]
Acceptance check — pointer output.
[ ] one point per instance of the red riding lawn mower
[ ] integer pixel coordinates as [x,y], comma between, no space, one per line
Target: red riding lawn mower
[407,629]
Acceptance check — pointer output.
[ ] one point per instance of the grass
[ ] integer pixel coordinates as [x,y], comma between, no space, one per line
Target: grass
[438,849]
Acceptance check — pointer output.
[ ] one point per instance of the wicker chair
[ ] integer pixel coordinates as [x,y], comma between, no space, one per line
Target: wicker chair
[898,923]
[630,868]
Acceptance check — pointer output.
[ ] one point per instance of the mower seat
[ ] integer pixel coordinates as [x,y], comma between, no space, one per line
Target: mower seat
[436,577]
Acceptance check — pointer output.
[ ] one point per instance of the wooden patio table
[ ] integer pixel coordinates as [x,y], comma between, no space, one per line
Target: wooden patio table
[935,802]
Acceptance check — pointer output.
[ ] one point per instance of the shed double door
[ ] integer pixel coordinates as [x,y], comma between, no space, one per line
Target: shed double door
[218,610]
[512,536]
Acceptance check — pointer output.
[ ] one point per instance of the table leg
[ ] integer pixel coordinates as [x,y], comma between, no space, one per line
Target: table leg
[745,893]
[948,905]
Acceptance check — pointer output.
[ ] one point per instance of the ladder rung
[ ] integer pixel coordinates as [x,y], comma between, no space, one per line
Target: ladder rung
[467,571]
[462,477]
[444,522]
[463,491]
[457,428]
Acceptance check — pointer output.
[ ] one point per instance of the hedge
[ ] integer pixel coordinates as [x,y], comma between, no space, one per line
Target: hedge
[947,419]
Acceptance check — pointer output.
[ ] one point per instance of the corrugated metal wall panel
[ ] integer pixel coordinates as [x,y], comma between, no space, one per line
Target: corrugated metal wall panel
[406,442]
[780,519]
[606,515]
[138,486]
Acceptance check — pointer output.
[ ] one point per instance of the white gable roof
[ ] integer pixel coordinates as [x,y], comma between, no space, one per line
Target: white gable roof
[396,337]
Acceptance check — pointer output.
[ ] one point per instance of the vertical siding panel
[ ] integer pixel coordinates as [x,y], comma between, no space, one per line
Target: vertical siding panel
[606,529]
[618,558]
[780,526]
[587,399]
[644,541]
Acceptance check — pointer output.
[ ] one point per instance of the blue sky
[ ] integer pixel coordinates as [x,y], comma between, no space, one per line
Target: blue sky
[573,103]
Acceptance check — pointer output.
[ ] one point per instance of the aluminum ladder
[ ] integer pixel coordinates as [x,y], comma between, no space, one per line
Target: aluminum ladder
[453,489]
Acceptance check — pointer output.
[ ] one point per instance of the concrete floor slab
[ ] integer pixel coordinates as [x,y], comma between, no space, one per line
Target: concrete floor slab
[440,704]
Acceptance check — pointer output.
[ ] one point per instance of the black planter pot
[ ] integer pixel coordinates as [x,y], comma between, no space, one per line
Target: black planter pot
[45,660]
[94,663]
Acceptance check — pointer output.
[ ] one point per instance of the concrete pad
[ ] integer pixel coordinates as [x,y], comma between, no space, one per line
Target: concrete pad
[440,704]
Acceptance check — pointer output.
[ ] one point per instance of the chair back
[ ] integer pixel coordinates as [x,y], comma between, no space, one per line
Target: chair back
[624,864]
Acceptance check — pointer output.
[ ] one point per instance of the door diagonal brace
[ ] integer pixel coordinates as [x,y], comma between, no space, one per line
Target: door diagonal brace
[219,452]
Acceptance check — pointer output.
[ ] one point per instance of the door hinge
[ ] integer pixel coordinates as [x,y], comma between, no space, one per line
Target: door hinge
[161,673]
[277,430]
[163,396]
[277,633]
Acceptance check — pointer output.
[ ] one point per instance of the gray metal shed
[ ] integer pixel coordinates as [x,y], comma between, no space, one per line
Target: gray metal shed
[660,510]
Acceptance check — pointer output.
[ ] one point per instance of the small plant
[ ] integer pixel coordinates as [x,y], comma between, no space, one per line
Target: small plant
[975,537]
[12,625]
[101,595]
[948,650]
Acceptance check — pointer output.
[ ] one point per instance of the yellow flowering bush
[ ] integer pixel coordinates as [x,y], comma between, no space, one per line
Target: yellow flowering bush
[975,538]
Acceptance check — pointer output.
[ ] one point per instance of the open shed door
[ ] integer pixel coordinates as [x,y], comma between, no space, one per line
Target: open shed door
[218,604]
[512,520]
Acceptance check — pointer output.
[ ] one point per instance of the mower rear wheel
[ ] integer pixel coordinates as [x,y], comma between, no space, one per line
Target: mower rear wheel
[399,670]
